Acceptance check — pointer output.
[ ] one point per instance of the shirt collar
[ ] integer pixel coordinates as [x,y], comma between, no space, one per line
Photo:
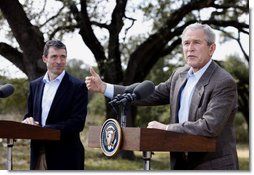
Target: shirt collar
[199,73]
[58,78]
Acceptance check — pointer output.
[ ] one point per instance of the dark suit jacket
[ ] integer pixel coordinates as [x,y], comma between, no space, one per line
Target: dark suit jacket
[67,114]
[212,113]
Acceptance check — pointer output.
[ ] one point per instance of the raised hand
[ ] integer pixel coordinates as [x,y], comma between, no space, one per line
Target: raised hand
[94,82]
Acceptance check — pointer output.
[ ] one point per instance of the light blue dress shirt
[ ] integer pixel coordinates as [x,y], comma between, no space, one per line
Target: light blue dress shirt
[49,93]
[109,91]
[187,92]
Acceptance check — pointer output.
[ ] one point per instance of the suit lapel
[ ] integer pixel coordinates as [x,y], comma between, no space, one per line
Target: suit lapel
[179,86]
[62,89]
[39,99]
[199,91]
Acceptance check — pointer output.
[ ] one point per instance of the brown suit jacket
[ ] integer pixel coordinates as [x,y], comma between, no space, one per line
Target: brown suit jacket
[212,113]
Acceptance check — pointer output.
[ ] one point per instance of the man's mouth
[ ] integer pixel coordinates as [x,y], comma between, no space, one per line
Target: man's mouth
[191,56]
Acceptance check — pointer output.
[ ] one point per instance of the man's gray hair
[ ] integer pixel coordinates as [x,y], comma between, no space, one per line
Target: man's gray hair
[209,33]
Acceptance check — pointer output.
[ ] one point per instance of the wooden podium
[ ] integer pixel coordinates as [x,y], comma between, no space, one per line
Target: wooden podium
[147,140]
[16,130]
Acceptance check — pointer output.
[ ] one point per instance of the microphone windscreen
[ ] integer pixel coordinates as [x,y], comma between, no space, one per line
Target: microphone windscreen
[6,90]
[129,89]
[144,89]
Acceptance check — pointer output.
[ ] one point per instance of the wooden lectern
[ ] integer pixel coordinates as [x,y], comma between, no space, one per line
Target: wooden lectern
[16,130]
[147,139]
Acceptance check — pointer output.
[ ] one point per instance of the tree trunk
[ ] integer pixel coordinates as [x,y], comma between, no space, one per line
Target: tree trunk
[29,37]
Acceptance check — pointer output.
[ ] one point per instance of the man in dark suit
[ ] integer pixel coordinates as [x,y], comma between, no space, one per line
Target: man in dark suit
[202,98]
[57,100]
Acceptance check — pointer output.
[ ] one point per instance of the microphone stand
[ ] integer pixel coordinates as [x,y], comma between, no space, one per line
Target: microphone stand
[122,114]
[147,155]
[10,143]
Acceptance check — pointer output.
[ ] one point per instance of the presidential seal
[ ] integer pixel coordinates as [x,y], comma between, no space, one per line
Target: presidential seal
[111,136]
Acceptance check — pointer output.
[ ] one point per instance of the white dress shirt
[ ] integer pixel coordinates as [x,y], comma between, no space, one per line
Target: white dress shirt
[49,94]
[187,92]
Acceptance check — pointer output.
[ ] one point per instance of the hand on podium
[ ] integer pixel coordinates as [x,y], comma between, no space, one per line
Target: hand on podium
[157,125]
[30,121]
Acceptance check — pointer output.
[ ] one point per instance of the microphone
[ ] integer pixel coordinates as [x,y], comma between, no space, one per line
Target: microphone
[130,88]
[6,90]
[141,91]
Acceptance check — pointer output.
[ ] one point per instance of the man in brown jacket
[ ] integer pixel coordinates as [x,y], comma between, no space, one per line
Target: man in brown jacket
[202,98]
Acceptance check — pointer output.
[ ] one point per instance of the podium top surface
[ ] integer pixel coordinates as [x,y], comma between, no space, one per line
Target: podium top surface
[147,139]
[18,130]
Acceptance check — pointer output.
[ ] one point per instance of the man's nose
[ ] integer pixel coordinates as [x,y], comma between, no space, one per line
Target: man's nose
[191,47]
[58,60]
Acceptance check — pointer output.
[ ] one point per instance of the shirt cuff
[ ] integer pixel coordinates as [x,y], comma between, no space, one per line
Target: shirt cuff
[109,91]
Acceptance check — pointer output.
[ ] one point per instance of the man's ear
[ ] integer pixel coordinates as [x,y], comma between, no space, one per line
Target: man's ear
[212,49]
[44,59]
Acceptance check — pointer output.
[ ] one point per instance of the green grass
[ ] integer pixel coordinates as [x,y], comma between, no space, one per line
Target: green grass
[96,160]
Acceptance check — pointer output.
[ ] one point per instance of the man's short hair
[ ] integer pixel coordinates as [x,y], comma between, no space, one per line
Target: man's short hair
[209,33]
[53,43]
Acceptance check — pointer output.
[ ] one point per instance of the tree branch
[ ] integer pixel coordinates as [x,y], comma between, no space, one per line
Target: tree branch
[101,25]
[60,28]
[88,35]
[128,28]
[52,17]
[157,42]
[12,54]
[238,40]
